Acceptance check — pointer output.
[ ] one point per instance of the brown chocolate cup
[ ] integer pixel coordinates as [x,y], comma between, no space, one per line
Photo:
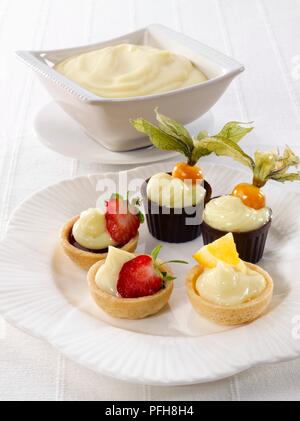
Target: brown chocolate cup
[173,225]
[250,245]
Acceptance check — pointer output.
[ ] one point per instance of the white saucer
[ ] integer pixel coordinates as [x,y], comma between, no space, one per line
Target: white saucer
[58,132]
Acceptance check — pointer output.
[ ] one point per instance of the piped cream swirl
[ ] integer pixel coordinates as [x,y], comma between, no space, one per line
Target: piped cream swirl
[172,192]
[228,213]
[230,285]
[90,231]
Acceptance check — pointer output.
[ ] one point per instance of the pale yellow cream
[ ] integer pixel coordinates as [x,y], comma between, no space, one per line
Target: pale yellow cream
[126,70]
[228,213]
[172,192]
[230,285]
[90,231]
[108,275]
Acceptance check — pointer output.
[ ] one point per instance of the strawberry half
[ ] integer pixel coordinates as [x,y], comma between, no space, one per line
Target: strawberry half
[143,276]
[139,278]
[122,220]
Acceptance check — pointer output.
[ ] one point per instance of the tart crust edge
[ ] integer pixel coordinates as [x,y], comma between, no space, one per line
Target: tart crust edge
[128,308]
[232,315]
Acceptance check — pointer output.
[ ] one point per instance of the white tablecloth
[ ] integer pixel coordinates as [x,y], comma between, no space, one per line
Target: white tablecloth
[262,34]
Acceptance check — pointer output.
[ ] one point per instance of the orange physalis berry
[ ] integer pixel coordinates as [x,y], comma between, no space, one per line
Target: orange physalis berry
[250,195]
[187,172]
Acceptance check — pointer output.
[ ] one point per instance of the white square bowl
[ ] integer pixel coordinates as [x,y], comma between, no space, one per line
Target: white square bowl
[107,120]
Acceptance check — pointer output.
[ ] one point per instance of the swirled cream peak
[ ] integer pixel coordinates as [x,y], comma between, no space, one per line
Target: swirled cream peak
[229,213]
[227,285]
[126,70]
[173,192]
[90,230]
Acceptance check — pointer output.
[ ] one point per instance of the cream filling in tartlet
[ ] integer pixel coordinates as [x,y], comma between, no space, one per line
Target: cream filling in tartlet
[90,231]
[172,192]
[230,285]
[228,213]
[108,275]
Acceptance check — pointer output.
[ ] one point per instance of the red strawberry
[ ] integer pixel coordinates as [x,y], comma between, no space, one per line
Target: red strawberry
[138,278]
[122,221]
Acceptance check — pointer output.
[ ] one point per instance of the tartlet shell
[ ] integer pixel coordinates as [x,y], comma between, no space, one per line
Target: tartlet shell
[128,308]
[232,315]
[83,258]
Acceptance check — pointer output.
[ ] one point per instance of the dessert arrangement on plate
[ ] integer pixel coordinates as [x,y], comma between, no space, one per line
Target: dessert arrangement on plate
[178,212]
[226,287]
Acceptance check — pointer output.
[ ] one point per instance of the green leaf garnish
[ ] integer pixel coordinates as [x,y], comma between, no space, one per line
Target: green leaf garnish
[166,278]
[202,135]
[234,131]
[141,217]
[228,148]
[164,275]
[173,136]
[155,252]
[134,208]
[265,163]
[169,278]
[175,129]
[273,166]
[160,139]
[199,151]
[282,178]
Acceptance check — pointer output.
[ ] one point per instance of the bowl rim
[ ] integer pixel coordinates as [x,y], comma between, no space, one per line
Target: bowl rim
[33,59]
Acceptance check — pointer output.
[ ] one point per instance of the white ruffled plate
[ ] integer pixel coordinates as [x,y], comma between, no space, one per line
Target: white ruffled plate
[45,294]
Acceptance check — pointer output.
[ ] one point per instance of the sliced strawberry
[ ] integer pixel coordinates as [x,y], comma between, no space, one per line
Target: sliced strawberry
[122,221]
[139,278]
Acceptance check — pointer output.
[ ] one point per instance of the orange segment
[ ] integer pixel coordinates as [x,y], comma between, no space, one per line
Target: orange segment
[223,249]
[187,172]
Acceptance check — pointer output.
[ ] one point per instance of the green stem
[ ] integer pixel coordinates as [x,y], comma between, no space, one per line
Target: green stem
[183,262]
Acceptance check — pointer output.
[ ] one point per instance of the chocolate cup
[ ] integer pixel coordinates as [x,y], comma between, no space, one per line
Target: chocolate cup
[170,224]
[250,245]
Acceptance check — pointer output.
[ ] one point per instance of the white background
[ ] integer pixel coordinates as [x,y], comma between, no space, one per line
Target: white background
[262,34]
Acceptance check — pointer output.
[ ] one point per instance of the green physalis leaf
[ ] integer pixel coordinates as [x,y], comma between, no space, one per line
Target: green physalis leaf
[173,136]
[175,129]
[271,165]
[202,135]
[227,148]
[283,163]
[264,165]
[234,131]
[160,139]
[282,178]
[199,151]
[155,252]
